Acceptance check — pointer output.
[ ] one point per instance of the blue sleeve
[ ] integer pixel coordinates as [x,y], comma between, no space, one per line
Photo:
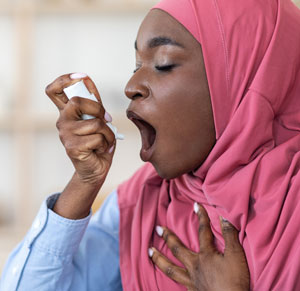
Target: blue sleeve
[60,254]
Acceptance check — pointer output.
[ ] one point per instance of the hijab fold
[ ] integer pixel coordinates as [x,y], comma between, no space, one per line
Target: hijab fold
[251,51]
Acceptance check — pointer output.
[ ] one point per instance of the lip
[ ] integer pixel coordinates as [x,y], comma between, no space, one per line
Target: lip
[146,131]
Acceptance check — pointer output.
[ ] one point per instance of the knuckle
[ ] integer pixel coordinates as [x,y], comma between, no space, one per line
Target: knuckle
[101,110]
[93,127]
[102,148]
[97,124]
[61,80]
[236,249]
[58,124]
[64,127]
[166,235]
[65,137]
[100,124]
[73,153]
[170,271]
[205,252]
[202,227]
[175,250]
[71,150]
[48,89]
[194,260]
[101,139]
[75,101]
[229,229]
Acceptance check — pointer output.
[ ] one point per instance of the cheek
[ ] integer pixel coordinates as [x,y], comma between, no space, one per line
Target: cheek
[186,130]
[184,94]
[183,113]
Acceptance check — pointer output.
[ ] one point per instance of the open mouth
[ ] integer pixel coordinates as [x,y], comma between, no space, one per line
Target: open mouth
[148,134]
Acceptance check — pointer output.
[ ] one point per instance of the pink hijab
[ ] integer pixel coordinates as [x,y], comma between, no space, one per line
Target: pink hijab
[251,177]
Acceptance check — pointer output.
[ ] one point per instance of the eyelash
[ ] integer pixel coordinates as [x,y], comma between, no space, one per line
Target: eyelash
[165,68]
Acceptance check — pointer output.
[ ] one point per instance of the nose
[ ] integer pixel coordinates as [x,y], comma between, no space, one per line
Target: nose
[137,86]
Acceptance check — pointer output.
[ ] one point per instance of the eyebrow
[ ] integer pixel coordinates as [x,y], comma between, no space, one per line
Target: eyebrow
[159,41]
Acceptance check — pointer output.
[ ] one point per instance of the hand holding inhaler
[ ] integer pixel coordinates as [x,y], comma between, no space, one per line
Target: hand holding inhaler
[89,143]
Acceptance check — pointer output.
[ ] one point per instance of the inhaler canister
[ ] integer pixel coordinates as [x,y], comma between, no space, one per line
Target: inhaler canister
[79,89]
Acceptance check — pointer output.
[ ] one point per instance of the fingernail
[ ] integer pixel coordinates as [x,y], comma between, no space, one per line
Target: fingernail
[107,117]
[159,230]
[78,76]
[196,207]
[150,252]
[111,149]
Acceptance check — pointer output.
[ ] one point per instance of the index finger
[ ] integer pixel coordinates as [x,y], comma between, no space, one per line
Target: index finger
[174,272]
[231,237]
[90,85]
[178,249]
[206,239]
[55,90]
[92,88]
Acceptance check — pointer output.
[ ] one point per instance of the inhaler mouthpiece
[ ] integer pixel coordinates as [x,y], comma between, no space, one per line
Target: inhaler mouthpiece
[79,89]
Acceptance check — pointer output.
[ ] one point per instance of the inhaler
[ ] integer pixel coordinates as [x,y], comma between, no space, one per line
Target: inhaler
[79,89]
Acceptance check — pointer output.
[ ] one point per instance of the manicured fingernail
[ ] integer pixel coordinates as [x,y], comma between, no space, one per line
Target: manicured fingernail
[78,76]
[111,149]
[107,117]
[150,252]
[159,230]
[196,207]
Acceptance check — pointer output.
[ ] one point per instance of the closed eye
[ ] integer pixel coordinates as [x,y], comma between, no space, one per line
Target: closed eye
[165,68]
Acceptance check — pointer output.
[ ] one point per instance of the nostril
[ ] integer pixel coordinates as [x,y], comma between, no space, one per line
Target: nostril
[131,93]
[135,96]
[136,88]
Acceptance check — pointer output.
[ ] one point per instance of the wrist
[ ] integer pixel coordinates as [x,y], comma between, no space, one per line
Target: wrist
[91,180]
[76,200]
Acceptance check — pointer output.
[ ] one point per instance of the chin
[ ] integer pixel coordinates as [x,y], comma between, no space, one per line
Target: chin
[168,173]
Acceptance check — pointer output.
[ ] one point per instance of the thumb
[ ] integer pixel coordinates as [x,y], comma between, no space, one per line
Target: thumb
[231,237]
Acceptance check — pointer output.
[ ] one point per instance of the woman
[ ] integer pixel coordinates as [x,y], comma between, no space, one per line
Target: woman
[221,130]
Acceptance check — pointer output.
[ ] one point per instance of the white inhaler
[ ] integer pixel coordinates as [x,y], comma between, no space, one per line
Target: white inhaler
[79,89]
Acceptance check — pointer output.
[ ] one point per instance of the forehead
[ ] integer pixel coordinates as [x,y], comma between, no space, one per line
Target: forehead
[159,24]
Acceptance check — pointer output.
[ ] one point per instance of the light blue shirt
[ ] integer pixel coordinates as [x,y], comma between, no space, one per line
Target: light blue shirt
[60,254]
